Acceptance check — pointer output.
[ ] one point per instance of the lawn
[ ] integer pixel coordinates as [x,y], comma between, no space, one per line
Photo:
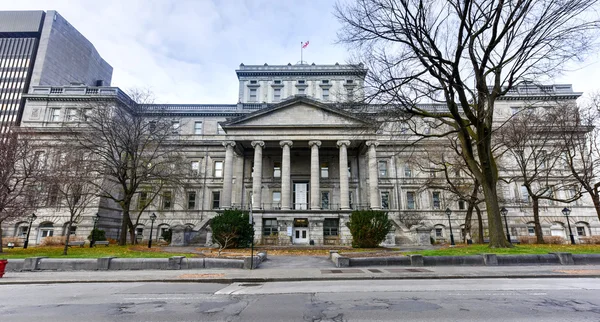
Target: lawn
[517,249]
[86,252]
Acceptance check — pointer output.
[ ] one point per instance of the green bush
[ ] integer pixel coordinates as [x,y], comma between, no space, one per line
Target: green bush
[166,235]
[99,235]
[368,227]
[232,229]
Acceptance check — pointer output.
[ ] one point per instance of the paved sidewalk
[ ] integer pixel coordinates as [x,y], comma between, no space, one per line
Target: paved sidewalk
[300,274]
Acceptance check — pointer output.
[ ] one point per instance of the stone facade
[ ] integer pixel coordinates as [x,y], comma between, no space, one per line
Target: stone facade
[302,165]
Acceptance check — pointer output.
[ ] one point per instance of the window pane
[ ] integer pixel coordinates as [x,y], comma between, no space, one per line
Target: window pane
[219,169]
[325,170]
[198,128]
[410,200]
[383,169]
[277,169]
[385,200]
[167,200]
[191,199]
[216,199]
[325,200]
[436,200]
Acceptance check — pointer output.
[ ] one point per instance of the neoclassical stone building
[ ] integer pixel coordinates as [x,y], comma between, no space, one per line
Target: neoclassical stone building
[291,151]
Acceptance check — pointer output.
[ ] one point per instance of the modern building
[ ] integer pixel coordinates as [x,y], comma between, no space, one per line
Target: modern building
[295,151]
[42,48]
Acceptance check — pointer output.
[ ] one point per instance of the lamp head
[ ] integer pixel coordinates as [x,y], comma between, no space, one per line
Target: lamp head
[448,212]
[153,216]
[566,211]
[33,217]
[503,211]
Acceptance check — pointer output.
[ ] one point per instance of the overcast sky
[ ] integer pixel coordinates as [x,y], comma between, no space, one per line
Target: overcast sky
[187,51]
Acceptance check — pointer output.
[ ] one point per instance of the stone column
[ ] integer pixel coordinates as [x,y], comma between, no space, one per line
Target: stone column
[257,175]
[374,197]
[344,198]
[227,174]
[286,180]
[315,167]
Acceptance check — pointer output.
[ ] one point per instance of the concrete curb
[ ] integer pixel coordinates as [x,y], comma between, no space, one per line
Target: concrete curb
[472,260]
[296,279]
[114,263]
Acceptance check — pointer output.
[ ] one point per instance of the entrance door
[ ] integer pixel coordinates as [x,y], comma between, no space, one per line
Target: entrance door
[301,235]
[301,196]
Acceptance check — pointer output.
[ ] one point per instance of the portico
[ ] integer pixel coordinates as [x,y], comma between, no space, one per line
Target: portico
[303,181]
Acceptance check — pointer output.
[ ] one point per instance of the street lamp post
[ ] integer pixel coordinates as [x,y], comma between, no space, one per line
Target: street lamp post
[252,242]
[153,218]
[31,220]
[93,240]
[504,212]
[448,213]
[566,211]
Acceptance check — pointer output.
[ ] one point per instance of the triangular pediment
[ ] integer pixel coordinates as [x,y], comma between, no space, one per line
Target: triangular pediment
[300,112]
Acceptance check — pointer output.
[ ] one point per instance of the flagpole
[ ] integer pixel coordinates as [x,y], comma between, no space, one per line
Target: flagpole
[301,50]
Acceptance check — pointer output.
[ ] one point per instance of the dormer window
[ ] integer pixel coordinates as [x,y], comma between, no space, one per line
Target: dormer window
[277,82]
[325,82]
[349,81]
[302,82]
[253,82]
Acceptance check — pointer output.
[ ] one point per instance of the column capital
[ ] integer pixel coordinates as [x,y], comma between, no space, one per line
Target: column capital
[255,143]
[229,143]
[343,142]
[286,142]
[317,143]
[374,143]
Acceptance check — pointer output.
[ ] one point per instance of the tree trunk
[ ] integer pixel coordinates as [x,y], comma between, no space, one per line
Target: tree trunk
[480,223]
[536,221]
[124,225]
[468,218]
[497,236]
[68,237]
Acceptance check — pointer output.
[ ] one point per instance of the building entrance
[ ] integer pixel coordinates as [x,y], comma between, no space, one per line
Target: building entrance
[301,196]
[300,234]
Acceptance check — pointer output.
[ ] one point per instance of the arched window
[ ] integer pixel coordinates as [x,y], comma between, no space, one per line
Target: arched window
[582,229]
[439,231]
[531,228]
[21,229]
[558,229]
[162,228]
[46,229]
[73,229]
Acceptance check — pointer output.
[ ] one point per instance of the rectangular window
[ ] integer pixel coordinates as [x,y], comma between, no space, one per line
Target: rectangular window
[22,231]
[220,129]
[385,200]
[253,95]
[72,230]
[407,171]
[142,200]
[350,199]
[139,231]
[324,199]
[216,199]
[524,194]
[198,128]
[301,81]
[53,195]
[253,82]
[276,94]
[436,200]
[276,199]
[326,94]
[331,227]
[71,114]
[350,95]
[277,82]
[382,169]
[218,173]
[461,204]
[349,81]
[349,169]
[195,167]
[531,231]
[325,82]
[580,231]
[277,169]
[191,199]
[410,200]
[55,115]
[542,159]
[167,200]
[324,169]
[439,232]
[175,127]
[269,227]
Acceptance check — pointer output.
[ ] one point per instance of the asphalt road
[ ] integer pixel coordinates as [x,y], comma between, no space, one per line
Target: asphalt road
[556,299]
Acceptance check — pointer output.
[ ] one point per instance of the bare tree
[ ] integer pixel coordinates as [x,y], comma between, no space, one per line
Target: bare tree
[20,166]
[580,139]
[135,145]
[75,182]
[464,55]
[533,159]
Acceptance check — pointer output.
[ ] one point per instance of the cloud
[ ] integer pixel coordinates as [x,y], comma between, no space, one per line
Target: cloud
[186,51]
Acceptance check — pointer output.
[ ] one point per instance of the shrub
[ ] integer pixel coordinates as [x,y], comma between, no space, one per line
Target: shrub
[368,227]
[232,229]
[99,235]
[592,240]
[557,240]
[18,241]
[166,235]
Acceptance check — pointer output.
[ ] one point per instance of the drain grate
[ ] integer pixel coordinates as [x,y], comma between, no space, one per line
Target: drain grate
[408,270]
[341,271]
[249,284]
[373,270]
